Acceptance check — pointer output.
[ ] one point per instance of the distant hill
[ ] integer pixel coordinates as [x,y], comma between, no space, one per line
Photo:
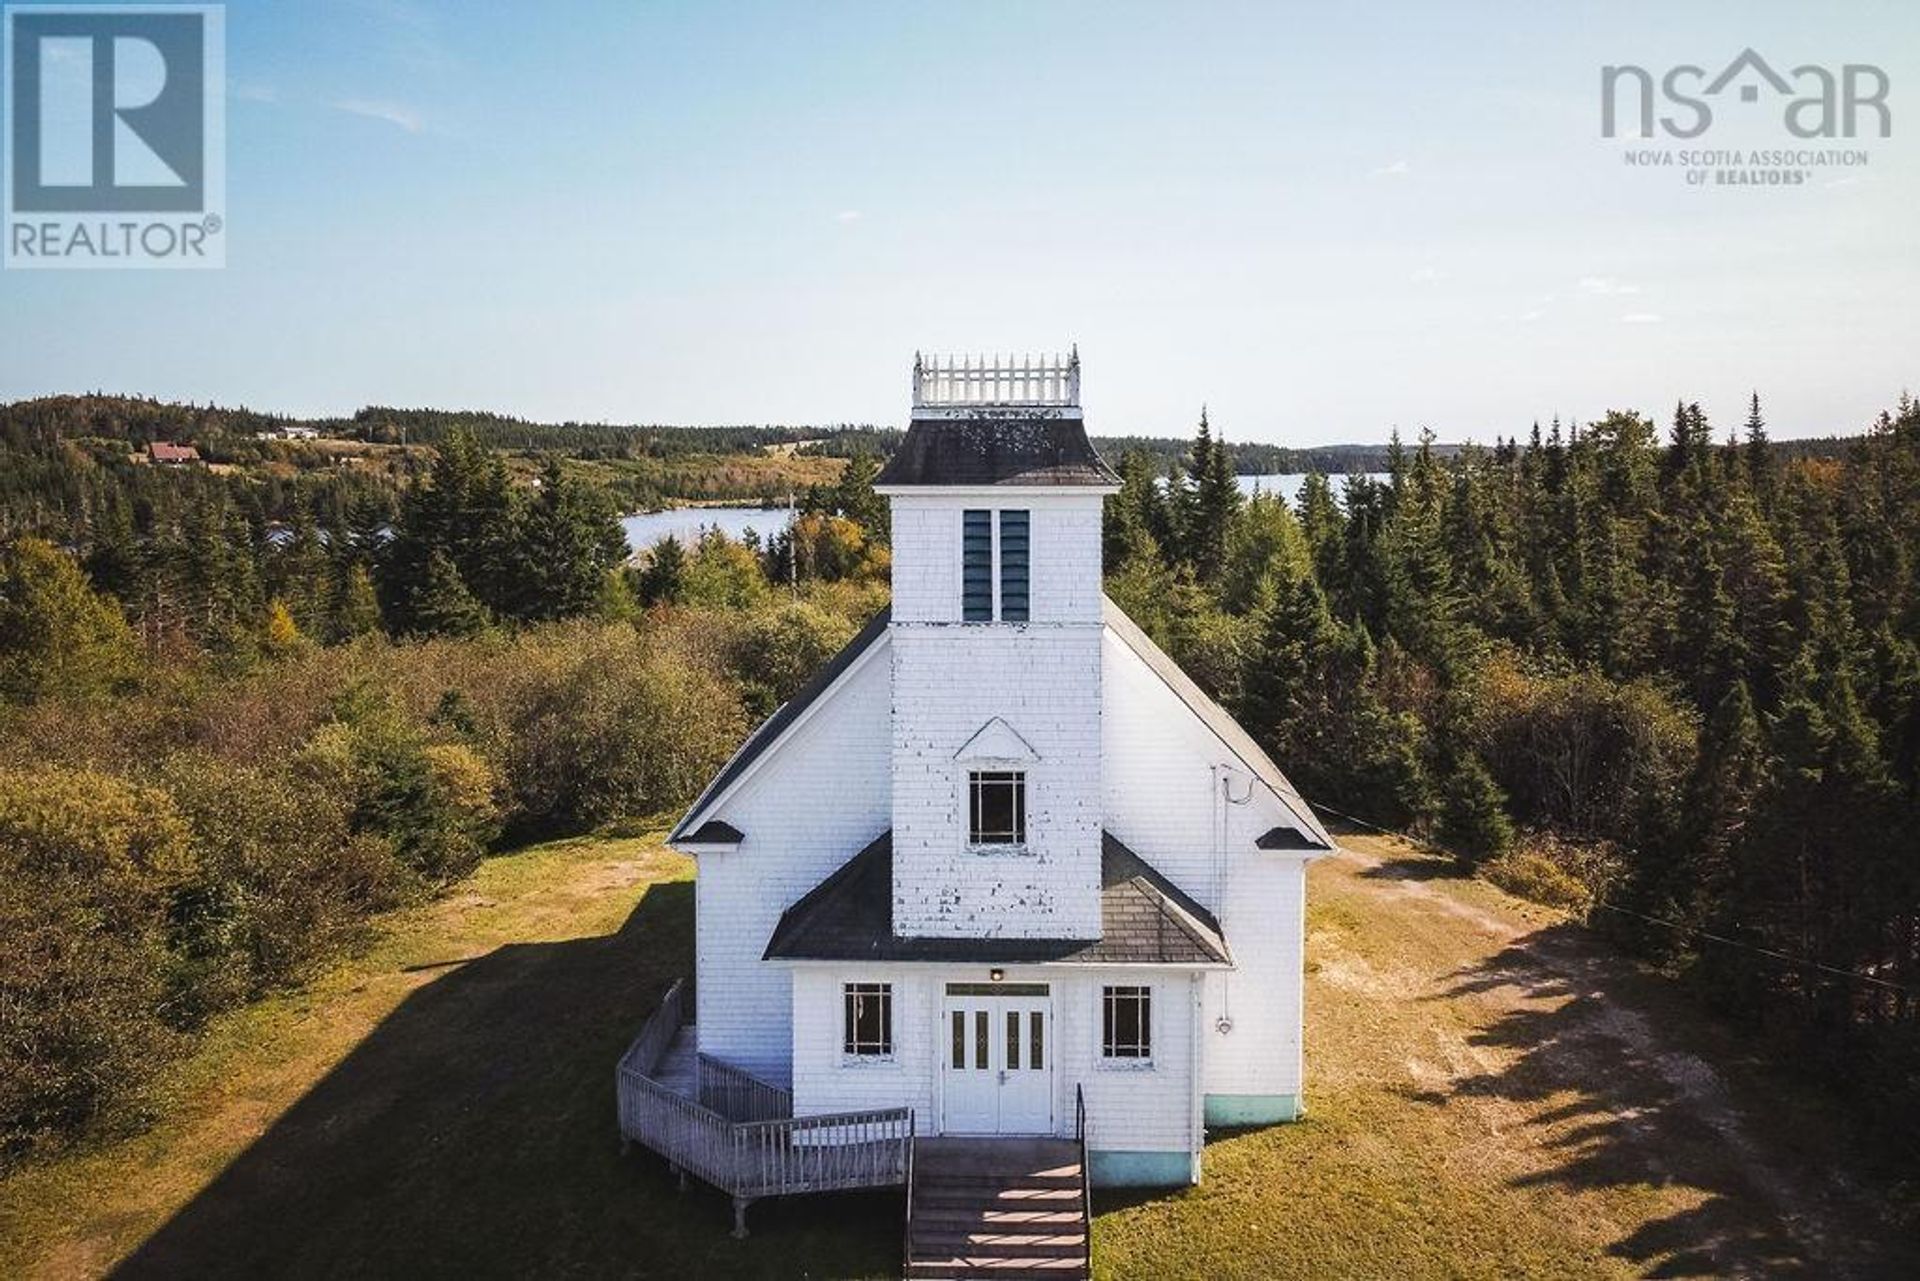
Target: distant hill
[140,421]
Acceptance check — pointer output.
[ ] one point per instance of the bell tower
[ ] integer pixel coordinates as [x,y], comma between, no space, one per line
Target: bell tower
[996,497]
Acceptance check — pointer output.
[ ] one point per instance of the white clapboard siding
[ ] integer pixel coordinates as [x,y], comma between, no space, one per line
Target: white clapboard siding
[813,802]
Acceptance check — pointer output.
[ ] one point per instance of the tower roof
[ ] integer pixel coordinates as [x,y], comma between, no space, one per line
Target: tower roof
[996,421]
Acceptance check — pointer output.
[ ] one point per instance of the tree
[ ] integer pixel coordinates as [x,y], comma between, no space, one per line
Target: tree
[354,608]
[1215,503]
[1728,776]
[1135,518]
[853,496]
[722,574]
[663,581]
[1757,453]
[443,606]
[570,541]
[1473,819]
[58,637]
[282,632]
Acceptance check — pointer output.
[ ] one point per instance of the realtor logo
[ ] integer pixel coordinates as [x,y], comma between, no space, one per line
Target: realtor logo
[115,136]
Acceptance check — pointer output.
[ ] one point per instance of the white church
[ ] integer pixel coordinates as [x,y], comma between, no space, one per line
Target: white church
[1002,864]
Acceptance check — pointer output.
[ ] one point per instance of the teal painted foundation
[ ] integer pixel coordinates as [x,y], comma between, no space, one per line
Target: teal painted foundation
[1231,1110]
[1142,1169]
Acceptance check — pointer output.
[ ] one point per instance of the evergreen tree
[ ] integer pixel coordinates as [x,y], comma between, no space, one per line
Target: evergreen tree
[570,542]
[1135,516]
[354,607]
[854,497]
[1216,501]
[1758,454]
[1473,818]
[443,606]
[663,581]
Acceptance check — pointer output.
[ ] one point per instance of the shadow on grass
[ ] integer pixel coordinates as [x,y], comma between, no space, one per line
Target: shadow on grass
[1417,868]
[472,1133]
[1597,1059]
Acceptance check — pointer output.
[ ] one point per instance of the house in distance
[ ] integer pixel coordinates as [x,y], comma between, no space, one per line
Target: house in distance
[1002,863]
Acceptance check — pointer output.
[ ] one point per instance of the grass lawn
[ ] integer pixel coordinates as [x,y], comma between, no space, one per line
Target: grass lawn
[1489,1094]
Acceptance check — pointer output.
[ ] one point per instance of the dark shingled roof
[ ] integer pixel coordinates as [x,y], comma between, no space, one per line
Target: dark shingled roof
[714,832]
[783,716]
[996,447]
[1144,920]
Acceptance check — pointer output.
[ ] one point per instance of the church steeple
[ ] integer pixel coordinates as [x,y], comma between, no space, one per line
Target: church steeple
[996,495]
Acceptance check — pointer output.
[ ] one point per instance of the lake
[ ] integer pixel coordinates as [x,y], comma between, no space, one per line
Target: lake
[685,523]
[644,529]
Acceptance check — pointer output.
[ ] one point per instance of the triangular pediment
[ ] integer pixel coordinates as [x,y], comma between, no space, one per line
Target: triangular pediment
[996,741]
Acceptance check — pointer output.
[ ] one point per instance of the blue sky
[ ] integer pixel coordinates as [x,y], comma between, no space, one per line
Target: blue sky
[1323,221]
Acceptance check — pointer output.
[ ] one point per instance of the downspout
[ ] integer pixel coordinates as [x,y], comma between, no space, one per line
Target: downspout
[1197,1094]
[1224,774]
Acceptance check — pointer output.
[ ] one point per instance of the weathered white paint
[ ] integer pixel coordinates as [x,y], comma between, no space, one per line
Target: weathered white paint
[1105,743]
[952,680]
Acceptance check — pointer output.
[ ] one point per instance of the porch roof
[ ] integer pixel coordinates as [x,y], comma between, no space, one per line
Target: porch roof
[1144,920]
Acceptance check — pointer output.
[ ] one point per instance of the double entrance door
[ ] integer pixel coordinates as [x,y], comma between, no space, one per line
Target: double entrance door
[997,1058]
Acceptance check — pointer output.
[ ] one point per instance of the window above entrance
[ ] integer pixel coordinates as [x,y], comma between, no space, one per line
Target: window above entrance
[996,807]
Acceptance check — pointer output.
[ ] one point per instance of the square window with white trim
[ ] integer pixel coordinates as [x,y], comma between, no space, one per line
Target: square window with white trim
[1126,1024]
[997,807]
[868,1032]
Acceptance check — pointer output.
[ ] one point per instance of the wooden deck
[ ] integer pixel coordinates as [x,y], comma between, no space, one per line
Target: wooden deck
[1012,1208]
[677,1068]
[724,1127]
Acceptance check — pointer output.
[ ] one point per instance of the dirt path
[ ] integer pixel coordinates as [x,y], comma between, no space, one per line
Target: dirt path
[1492,1093]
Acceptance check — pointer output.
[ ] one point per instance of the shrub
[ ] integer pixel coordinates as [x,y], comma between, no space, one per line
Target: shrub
[1590,757]
[433,802]
[775,652]
[1547,869]
[88,869]
[598,725]
[58,637]
[281,880]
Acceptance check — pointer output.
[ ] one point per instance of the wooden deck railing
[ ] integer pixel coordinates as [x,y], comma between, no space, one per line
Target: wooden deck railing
[740,1134]
[738,1095]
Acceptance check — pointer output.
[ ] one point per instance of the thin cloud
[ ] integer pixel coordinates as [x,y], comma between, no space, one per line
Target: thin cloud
[1641,318]
[394,113]
[1395,170]
[1606,286]
[848,215]
[1530,316]
[1427,276]
[254,91]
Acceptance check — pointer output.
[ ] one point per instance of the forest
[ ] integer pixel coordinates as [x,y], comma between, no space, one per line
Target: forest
[1665,681]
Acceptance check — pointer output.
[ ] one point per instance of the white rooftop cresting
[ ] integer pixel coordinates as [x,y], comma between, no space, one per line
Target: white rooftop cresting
[951,382]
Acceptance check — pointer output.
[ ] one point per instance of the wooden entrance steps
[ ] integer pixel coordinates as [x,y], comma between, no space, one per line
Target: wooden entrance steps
[999,1208]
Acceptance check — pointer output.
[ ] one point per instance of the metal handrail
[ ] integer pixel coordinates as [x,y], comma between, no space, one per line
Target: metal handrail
[1086,1172]
[906,1233]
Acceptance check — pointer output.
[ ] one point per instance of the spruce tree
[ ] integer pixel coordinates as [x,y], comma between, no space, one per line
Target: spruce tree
[354,608]
[663,581]
[569,542]
[1757,453]
[443,606]
[1473,820]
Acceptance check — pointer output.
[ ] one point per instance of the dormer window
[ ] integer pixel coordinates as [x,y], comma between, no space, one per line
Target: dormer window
[997,807]
[979,585]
